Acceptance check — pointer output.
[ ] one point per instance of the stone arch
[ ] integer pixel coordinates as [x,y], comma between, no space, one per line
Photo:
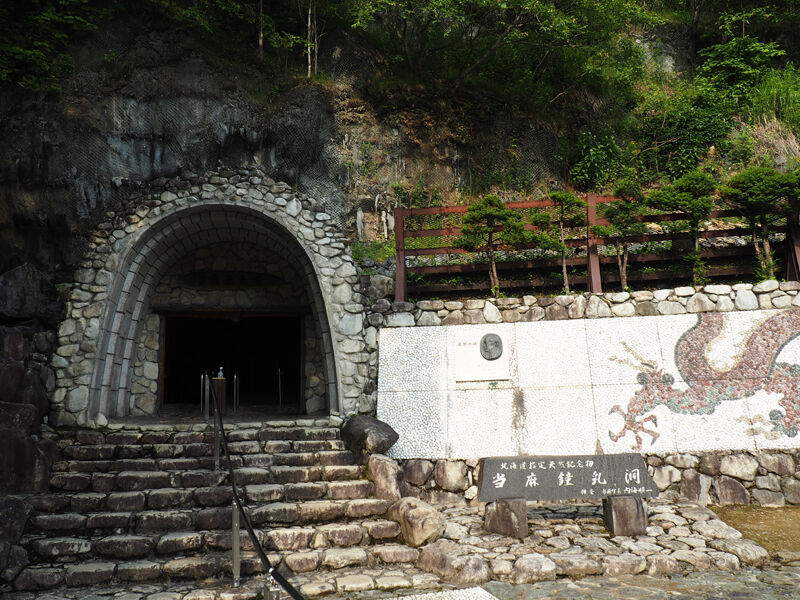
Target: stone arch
[98,340]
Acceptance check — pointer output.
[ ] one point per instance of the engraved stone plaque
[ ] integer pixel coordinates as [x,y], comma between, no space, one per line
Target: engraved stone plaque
[491,346]
[565,477]
[474,357]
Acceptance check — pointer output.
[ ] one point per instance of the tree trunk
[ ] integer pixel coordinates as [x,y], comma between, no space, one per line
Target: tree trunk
[767,248]
[261,30]
[622,265]
[309,41]
[493,279]
[563,258]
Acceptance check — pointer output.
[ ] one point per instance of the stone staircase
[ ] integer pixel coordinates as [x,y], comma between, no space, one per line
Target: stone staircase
[143,503]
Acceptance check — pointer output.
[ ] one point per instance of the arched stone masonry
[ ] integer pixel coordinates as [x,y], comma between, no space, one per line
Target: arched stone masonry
[106,362]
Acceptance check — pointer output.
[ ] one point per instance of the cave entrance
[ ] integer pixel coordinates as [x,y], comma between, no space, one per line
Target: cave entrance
[265,350]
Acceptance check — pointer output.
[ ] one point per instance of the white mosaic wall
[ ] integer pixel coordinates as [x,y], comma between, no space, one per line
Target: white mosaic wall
[657,384]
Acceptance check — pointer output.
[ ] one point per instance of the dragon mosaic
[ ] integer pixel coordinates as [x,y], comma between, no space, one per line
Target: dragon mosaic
[756,369]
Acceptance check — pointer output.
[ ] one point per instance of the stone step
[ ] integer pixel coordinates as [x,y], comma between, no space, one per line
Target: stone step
[126,570]
[144,545]
[139,480]
[171,516]
[105,453]
[196,497]
[166,435]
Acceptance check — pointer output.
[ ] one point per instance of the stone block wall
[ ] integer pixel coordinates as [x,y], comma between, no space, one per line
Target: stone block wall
[715,478]
[105,344]
[675,301]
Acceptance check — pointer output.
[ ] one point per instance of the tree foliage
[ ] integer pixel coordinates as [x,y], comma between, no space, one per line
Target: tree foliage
[489,226]
[621,215]
[764,197]
[690,196]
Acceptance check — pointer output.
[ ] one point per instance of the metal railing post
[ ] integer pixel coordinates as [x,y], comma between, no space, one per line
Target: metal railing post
[206,396]
[236,545]
[216,443]
[235,392]
[280,391]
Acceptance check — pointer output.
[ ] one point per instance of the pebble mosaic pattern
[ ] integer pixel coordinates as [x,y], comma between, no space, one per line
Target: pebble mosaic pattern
[667,384]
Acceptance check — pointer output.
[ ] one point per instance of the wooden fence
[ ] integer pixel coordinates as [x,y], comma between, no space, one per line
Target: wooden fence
[426,256]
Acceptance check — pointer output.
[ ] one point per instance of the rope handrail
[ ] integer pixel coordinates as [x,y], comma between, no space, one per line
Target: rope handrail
[271,571]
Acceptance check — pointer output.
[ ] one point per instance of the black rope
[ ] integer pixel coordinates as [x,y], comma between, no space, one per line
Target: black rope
[272,571]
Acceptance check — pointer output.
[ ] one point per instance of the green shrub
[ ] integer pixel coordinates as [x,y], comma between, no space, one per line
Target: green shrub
[777,95]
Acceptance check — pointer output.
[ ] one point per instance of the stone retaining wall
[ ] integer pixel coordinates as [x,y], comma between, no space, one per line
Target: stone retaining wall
[765,479]
[680,300]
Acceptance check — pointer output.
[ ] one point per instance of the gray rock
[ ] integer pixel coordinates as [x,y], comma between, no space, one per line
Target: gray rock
[596,307]
[715,529]
[416,471]
[194,567]
[769,482]
[745,300]
[623,310]
[453,563]
[740,466]
[730,491]
[666,476]
[747,551]
[624,564]
[451,475]
[302,562]
[428,319]
[646,309]
[91,573]
[698,560]
[768,285]
[365,435]
[338,558]
[533,567]
[508,517]
[491,314]
[575,566]
[724,304]
[577,309]
[791,490]
[695,486]
[385,474]
[668,307]
[781,464]
[402,319]
[699,303]
[420,523]
[768,498]
[660,564]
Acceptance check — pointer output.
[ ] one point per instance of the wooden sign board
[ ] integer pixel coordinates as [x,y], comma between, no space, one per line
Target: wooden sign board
[564,477]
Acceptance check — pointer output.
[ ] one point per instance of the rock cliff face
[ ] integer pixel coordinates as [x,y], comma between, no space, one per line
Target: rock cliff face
[139,107]
[154,109]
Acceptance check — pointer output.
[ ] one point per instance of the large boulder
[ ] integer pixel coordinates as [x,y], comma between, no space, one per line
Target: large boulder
[420,523]
[365,435]
[454,563]
[386,476]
